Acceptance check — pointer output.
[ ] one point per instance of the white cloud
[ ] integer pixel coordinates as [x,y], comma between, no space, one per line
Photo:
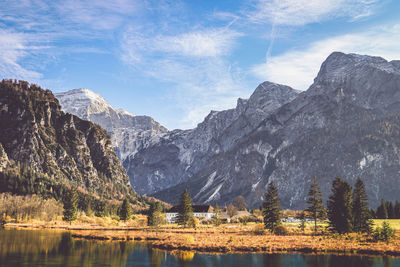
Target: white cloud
[298,68]
[214,42]
[301,12]
[13,48]
[207,43]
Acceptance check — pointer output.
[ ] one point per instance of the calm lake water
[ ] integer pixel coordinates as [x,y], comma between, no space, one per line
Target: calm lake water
[53,248]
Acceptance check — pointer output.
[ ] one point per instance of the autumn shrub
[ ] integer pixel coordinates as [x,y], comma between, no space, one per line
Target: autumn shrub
[259,229]
[194,222]
[29,207]
[281,230]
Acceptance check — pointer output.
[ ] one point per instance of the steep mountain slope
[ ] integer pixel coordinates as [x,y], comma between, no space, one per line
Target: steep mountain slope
[126,130]
[346,124]
[35,133]
[174,157]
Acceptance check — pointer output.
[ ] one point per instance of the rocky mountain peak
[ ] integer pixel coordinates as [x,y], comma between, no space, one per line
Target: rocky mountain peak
[127,131]
[366,81]
[269,96]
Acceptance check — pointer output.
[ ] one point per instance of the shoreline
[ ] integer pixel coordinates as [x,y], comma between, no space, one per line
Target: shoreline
[221,241]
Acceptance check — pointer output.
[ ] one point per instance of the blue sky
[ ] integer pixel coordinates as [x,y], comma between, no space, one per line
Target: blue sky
[177,60]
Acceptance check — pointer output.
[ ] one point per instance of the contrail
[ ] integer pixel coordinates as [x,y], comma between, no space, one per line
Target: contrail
[271,43]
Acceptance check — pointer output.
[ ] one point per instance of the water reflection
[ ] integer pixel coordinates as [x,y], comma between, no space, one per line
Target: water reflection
[51,248]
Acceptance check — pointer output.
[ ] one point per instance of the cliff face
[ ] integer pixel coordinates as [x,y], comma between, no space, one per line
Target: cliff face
[174,157]
[35,132]
[127,131]
[346,124]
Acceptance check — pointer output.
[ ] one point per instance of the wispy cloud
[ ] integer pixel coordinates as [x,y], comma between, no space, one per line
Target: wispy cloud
[193,63]
[35,27]
[301,12]
[297,68]
[13,48]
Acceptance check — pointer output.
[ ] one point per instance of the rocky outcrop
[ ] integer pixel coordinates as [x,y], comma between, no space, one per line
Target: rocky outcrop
[127,130]
[35,132]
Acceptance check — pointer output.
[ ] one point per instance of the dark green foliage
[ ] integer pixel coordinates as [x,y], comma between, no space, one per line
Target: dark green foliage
[271,208]
[362,222]
[185,213]
[381,211]
[339,206]
[384,233]
[302,218]
[100,208]
[154,217]
[126,210]
[390,209]
[316,207]
[70,205]
[373,213]
[397,210]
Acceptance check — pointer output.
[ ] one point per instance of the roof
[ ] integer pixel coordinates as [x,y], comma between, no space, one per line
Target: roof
[196,208]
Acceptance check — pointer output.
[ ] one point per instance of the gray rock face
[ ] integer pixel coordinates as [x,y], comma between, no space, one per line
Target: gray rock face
[346,124]
[127,131]
[171,158]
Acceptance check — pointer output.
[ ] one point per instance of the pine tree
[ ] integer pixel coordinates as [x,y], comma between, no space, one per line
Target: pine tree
[390,210]
[397,210]
[316,209]
[339,206]
[217,216]
[381,211]
[70,205]
[126,210]
[271,208]
[155,213]
[185,210]
[362,222]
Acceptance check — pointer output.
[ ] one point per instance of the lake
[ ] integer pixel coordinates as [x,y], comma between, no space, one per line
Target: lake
[57,248]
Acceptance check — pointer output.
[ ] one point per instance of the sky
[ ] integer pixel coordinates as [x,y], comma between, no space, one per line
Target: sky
[177,60]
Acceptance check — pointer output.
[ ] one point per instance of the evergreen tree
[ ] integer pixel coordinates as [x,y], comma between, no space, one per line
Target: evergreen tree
[271,208]
[70,205]
[126,210]
[339,206]
[316,209]
[100,208]
[302,217]
[155,213]
[185,210]
[373,213]
[217,216]
[381,211]
[397,210]
[362,222]
[390,209]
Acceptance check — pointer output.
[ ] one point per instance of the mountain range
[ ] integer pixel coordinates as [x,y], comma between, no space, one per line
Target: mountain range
[346,124]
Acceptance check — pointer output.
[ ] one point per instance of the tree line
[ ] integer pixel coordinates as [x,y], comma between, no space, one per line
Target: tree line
[347,208]
[387,210]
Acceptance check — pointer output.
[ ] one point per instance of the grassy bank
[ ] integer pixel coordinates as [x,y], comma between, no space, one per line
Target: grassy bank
[223,239]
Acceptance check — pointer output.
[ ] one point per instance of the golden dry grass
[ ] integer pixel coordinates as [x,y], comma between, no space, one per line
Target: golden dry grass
[225,238]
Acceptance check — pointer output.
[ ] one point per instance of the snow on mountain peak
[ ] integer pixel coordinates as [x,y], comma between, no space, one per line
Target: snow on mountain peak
[127,130]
